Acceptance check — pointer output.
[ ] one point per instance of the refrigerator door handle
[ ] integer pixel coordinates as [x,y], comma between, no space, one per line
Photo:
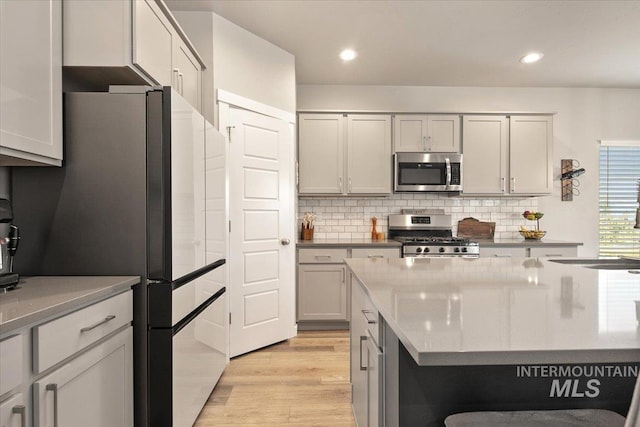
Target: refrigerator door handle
[196,312]
[190,277]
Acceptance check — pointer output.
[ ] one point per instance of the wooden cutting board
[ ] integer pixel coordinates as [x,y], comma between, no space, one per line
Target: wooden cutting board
[472,228]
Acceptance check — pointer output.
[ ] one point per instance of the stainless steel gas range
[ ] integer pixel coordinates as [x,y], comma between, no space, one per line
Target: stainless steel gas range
[425,235]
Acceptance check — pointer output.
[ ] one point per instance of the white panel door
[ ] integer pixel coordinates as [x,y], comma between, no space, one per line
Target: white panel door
[261,241]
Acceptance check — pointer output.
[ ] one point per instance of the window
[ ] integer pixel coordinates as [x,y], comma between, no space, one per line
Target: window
[619,187]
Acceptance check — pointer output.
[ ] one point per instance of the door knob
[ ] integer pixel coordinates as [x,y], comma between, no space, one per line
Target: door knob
[285,241]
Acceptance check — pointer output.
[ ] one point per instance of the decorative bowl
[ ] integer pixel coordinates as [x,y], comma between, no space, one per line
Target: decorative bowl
[532,234]
[533,216]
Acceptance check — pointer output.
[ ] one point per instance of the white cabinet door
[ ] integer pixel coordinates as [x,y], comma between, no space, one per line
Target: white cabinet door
[321,153]
[486,141]
[437,133]
[322,292]
[13,412]
[31,81]
[531,142]
[443,133]
[186,73]
[369,154]
[409,133]
[152,41]
[93,389]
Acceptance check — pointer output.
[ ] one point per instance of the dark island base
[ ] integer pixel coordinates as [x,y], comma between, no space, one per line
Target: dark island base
[428,394]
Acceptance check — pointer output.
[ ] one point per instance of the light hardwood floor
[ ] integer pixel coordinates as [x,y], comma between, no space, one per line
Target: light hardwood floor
[301,382]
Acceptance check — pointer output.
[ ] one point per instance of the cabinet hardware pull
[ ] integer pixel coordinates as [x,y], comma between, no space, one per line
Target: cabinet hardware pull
[448,166]
[375,256]
[103,321]
[424,143]
[20,410]
[552,254]
[513,184]
[340,184]
[502,255]
[503,184]
[181,76]
[369,321]
[429,146]
[349,184]
[323,257]
[362,339]
[54,389]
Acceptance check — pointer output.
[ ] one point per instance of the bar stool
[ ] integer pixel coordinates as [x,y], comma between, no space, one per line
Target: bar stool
[554,418]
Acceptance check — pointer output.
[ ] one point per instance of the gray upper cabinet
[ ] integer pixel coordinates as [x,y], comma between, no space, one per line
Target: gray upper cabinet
[435,133]
[344,154]
[321,153]
[507,155]
[130,42]
[31,81]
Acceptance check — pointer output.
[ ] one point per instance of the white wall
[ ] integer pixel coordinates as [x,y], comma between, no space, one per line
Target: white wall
[583,116]
[240,62]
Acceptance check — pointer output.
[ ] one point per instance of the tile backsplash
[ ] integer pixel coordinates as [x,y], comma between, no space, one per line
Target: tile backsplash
[350,217]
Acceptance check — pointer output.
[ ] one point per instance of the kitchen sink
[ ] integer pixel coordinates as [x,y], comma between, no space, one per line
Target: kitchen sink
[603,263]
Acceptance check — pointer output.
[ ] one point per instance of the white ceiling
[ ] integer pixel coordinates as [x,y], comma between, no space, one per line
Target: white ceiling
[447,43]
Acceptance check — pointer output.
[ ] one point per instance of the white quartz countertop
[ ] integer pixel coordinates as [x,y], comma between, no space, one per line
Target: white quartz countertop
[39,297]
[460,311]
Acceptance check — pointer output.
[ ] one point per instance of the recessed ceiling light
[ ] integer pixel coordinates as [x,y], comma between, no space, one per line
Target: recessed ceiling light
[531,57]
[348,54]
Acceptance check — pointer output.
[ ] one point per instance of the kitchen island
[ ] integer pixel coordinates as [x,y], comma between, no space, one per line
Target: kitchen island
[457,334]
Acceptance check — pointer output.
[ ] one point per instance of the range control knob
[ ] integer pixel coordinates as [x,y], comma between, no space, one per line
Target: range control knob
[456,249]
[418,250]
[441,250]
[427,250]
[464,249]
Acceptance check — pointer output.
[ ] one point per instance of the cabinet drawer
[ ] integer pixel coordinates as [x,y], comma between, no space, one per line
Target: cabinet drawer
[554,251]
[62,337]
[503,252]
[11,358]
[375,253]
[318,255]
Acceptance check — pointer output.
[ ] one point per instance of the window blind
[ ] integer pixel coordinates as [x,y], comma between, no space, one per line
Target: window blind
[619,175]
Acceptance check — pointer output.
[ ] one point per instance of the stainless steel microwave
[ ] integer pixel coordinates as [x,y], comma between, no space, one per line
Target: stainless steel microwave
[422,172]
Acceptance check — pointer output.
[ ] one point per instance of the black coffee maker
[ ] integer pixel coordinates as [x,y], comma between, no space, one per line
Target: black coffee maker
[8,247]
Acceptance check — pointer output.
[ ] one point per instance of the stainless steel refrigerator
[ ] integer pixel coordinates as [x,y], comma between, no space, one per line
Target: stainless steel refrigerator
[141,192]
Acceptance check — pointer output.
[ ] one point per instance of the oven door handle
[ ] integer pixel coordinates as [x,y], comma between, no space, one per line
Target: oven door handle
[448,163]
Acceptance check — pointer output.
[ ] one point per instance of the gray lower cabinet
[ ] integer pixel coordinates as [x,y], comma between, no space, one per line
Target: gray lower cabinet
[367,360]
[323,299]
[322,292]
